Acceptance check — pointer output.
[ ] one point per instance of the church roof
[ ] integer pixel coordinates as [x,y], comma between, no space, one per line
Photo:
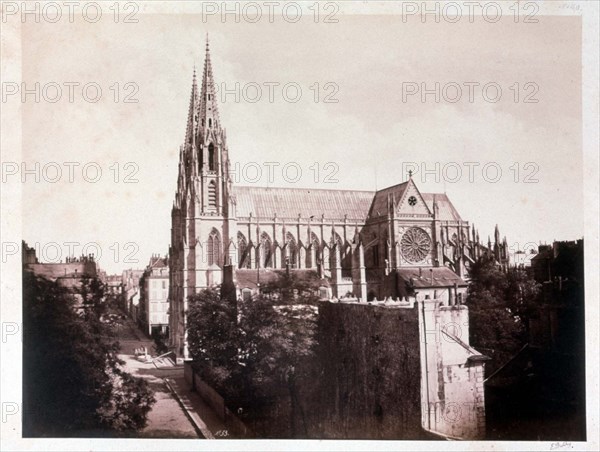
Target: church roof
[446,208]
[356,205]
[265,202]
[430,277]
[380,201]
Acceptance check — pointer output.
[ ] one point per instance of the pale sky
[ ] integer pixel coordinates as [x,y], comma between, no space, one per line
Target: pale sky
[368,134]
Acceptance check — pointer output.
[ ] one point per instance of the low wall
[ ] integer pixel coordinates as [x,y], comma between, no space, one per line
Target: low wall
[236,427]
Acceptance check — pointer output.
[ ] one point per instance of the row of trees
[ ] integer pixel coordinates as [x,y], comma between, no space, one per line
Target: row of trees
[258,354]
[73,383]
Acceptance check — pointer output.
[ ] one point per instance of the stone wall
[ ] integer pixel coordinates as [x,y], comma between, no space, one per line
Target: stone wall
[371,372]
[452,373]
[216,402]
[399,371]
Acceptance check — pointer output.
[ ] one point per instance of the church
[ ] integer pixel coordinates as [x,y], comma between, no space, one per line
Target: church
[361,244]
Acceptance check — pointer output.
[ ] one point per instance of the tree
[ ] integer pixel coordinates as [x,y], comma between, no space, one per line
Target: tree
[279,329]
[253,351]
[497,303]
[73,383]
[214,337]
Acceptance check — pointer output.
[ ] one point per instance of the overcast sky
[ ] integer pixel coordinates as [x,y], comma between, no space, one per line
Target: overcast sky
[368,134]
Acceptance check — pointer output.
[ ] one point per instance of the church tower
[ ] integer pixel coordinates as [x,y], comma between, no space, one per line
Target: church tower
[200,234]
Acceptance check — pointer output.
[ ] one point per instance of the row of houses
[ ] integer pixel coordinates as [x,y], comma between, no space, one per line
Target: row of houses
[145,295]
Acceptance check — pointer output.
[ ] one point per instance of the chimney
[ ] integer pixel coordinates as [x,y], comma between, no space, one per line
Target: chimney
[228,289]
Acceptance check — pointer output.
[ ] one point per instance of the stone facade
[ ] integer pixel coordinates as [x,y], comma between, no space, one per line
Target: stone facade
[154,303]
[400,370]
[361,242]
[70,274]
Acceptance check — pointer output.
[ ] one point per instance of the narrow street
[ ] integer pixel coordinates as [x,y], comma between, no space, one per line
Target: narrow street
[167,419]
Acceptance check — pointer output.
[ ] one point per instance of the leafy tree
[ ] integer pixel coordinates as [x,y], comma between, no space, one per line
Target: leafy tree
[522,295]
[499,304]
[255,351]
[73,383]
[214,337]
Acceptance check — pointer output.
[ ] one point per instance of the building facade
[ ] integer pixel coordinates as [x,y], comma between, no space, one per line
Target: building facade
[73,274]
[154,302]
[366,244]
[131,291]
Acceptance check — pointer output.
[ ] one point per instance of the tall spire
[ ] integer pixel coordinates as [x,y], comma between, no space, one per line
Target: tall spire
[192,121]
[208,109]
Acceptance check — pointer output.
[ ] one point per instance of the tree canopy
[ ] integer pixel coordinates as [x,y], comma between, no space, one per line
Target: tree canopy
[254,351]
[73,384]
[499,307]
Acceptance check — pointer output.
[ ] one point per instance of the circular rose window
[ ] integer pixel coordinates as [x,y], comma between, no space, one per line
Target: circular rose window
[415,245]
[412,201]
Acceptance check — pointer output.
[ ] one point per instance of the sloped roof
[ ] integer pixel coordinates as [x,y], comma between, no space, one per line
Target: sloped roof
[380,206]
[442,277]
[447,212]
[158,262]
[357,205]
[265,202]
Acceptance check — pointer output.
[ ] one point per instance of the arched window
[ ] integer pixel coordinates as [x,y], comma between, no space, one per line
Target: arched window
[266,250]
[242,251]
[337,241]
[213,248]
[292,250]
[211,157]
[209,122]
[212,194]
[315,251]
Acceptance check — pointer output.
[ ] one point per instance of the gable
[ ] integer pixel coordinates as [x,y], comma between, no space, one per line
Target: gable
[412,202]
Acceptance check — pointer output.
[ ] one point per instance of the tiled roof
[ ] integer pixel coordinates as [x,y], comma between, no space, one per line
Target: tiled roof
[380,201]
[447,210]
[356,205]
[442,277]
[290,202]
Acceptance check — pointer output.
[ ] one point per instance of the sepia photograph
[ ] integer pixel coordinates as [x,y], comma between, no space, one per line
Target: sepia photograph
[299,225]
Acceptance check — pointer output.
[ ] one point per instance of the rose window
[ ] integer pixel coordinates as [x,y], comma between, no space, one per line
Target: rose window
[415,245]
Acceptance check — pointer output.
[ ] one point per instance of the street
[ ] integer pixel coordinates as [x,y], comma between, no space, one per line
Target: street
[167,419]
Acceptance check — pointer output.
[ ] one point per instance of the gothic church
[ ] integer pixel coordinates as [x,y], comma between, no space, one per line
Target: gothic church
[365,244]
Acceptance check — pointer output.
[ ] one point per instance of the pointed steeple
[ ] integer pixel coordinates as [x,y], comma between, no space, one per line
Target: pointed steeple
[208,109]
[497,235]
[192,121]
